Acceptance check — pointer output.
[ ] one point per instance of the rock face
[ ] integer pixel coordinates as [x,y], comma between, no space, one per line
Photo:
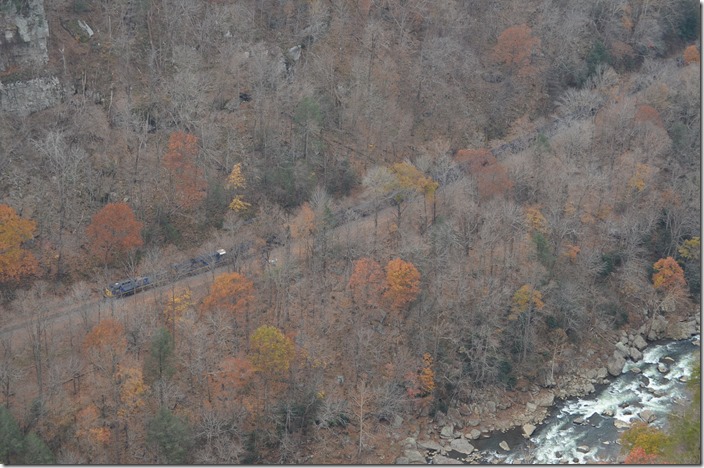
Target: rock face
[25,32]
[25,97]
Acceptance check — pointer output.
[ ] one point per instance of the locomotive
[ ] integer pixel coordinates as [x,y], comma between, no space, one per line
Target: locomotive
[175,271]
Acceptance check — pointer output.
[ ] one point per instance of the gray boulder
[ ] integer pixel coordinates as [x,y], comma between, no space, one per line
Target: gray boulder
[647,416]
[414,456]
[429,445]
[635,354]
[639,343]
[546,399]
[402,461]
[602,373]
[504,445]
[583,449]
[615,364]
[528,430]
[474,434]
[662,368]
[462,446]
[448,431]
[443,460]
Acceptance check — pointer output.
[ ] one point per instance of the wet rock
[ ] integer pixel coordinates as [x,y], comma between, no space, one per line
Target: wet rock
[636,370]
[462,446]
[578,420]
[504,445]
[644,380]
[448,431]
[583,449]
[528,430]
[639,343]
[429,445]
[608,412]
[647,416]
[662,368]
[558,454]
[589,388]
[443,460]
[667,360]
[618,424]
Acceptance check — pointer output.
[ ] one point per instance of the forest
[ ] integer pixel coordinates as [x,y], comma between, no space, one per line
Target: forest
[425,206]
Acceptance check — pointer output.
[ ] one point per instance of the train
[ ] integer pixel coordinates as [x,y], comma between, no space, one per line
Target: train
[175,271]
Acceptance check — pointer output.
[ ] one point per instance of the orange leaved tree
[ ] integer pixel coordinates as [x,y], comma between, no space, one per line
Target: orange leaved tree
[515,45]
[15,262]
[114,231]
[105,345]
[187,179]
[668,275]
[402,283]
[366,282]
[232,293]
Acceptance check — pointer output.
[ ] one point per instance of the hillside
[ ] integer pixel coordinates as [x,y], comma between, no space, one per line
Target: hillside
[434,212]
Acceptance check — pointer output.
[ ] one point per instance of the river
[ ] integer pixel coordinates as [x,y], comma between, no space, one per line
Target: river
[564,438]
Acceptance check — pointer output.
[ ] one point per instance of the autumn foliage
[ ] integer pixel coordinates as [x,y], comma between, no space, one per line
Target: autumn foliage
[524,299]
[271,352]
[638,456]
[366,282]
[114,231]
[188,179]
[402,283]
[668,275]
[515,45]
[230,292]
[691,55]
[105,343]
[490,175]
[651,441]
[15,262]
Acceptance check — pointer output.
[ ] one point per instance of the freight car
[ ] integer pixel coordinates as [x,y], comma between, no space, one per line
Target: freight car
[176,271]
[127,287]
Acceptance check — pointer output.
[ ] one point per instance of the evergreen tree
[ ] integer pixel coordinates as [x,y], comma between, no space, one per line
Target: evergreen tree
[171,436]
[36,451]
[10,437]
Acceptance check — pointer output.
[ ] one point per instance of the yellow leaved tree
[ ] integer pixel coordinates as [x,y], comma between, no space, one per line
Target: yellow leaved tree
[236,181]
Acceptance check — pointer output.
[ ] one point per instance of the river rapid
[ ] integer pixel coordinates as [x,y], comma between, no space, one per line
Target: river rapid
[587,429]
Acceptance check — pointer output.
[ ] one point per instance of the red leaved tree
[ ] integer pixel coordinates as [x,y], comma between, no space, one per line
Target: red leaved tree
[187,179]
[490,175]
[114,231]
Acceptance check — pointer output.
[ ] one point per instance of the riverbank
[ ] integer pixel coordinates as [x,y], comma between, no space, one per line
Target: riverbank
[498,427]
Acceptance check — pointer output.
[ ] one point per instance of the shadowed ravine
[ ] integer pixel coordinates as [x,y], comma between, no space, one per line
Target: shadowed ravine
[627,399]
